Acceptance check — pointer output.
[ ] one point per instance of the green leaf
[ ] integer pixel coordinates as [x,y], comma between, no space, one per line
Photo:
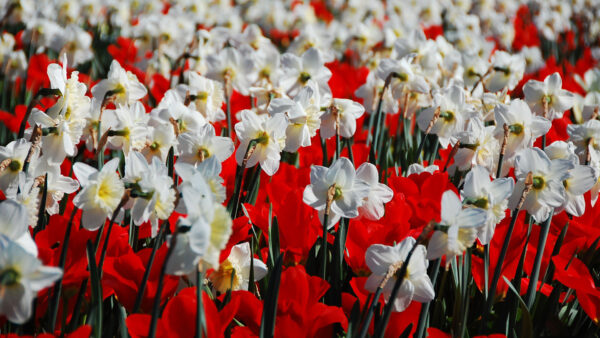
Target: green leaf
[96,291]
[267,325]
[526,323]
[157,243]
[122,324]
[274,249]
[354,319]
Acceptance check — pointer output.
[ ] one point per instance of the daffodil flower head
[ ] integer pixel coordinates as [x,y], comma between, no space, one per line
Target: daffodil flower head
[100,194]
[349,191]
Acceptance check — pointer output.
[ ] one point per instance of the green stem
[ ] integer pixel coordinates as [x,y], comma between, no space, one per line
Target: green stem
[498,269]
[157,243]
[424,315]
[535,273]
[200,323]
[54,302]
[158,298]
[324,247]
[378,119]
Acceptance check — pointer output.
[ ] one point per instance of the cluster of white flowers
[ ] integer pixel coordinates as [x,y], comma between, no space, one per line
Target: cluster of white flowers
[455,86]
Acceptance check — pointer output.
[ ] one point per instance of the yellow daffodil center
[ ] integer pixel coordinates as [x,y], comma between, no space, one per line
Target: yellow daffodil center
[304,77]
[202,154]
[14,166]
[516,128]
[263,138]
[447,115]
[479,202]
[202,96]
[225,278]
[538,182]
[337,194]
[265,73]
[104,191]
[9,277]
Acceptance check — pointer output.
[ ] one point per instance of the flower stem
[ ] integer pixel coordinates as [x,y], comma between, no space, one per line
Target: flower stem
[535,273]
[503,251]
[54,302]
[157,244]
[502,151]
[200,322]
[424,315]
[377,120]
[239,179]
[159,288]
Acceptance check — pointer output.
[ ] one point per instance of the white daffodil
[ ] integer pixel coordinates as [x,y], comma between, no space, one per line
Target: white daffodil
[507,71]
[303,116]
[172,109]
[160,139]
[123,85]
[234,272]
[547,98]
[64,133]
[342,111]
[77,42]
[73,103]
[206,95]
[14,225]
[586,138]
[492,196]
[416,285]
[28,194]
[57,184]
[370,91]
[562,150]
[194,148]
[66,119]
[581,178]
[407,76]
[210,170]
[548,191]
[417,168]
[154,197]
[270,140]
[478,146]
[100,194]
[379,194]
[453,112]
[16,153]
[348,190]
[298,70]
[208,227]
[22,275]
[524,127]
[128,127]
[461,228]
[230,68]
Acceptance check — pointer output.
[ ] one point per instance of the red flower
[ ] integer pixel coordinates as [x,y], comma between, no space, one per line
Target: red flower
[37,76]
[13,121]
[511,261]
[299,312]
[572,273]
[346,79]
[179,317]
[158,86]
[124,51]
[528,34]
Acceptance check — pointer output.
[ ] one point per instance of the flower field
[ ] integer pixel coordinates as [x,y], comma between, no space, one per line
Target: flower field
[324,168]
